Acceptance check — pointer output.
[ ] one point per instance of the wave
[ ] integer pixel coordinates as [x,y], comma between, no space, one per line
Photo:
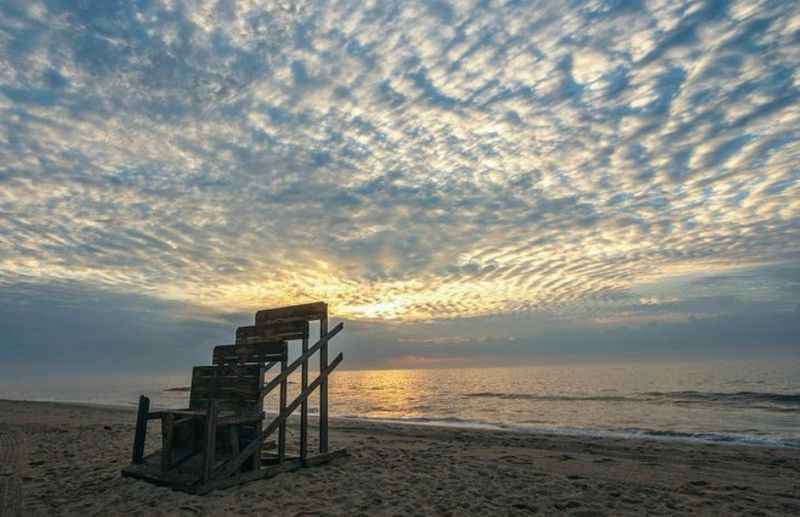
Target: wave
[781,402]
[785,399]
[552,398]
[699,437]
[731,438]
[444,421]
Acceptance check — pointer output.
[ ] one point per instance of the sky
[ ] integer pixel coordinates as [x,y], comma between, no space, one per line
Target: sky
[465,183]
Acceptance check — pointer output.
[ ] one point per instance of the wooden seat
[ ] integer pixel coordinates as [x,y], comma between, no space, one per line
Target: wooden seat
[226,401]
[236,388]
[264,353]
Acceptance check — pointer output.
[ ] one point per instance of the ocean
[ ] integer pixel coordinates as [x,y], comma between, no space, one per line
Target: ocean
[741,402]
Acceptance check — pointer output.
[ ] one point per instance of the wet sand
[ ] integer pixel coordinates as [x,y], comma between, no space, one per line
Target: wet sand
[64,459]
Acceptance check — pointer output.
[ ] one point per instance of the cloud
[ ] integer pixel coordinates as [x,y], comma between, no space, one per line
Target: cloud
[402,161]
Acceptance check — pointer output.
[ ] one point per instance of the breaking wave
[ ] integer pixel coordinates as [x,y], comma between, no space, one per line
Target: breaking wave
[627,433]
[780,402]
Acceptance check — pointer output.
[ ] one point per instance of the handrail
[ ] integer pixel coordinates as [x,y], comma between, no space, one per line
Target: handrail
[229,467]
[271,385]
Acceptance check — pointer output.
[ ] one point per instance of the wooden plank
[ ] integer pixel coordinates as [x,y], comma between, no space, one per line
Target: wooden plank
[272,331]
[217,371]
[210,441]
[249,353]
[282,409]
[153,474]
[240,419]
[299,361]
[236,388]
[167,436]
[141,429]
[304,404]
[234,463]
[323,389]
[254,463]
[306,311]
[270,471]
[233,436]
[272,459]
[304,395]
[182,412]
[150,470]
[253,475]
[319,459]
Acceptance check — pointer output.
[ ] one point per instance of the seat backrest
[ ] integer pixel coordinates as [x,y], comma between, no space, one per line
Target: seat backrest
[235,388]
[307,312]
[252,353]
[272,331]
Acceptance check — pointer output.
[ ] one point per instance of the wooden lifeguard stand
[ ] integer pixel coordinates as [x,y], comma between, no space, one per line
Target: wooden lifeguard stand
[226,401]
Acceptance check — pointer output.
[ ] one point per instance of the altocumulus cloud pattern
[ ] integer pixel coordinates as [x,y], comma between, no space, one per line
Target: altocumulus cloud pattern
[405,160]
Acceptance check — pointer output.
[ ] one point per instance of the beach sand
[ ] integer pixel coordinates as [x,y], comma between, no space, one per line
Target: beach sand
[62,459]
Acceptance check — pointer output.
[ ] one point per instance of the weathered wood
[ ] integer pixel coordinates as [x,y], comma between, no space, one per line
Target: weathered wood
[272,459]
[262,473]
[210,441]
[233,436]
[275,331]
[307,311]
[282,410]
[236,388]
[299,361]
[304,404]
[249,353]
[302,396]
[141,429]
[323,389]
[239,419]
[319,459]
[228,398]
[191,414]
[234,463]
[167,437]
[152,472]
[269,471]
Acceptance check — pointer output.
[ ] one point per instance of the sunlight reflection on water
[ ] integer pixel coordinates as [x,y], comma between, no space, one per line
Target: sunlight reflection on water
[751,402]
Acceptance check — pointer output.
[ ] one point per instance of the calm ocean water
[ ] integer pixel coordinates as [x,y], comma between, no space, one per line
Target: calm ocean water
[729,402]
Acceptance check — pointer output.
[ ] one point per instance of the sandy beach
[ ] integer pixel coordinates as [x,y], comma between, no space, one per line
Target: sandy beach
[65,459]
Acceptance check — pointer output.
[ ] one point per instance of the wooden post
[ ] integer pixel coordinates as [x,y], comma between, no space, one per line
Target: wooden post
[210,441]
[233,436]
[323,388]
[167,434]
[304,405]
[282,429]
[234,463]
[297,363]
[141,429]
